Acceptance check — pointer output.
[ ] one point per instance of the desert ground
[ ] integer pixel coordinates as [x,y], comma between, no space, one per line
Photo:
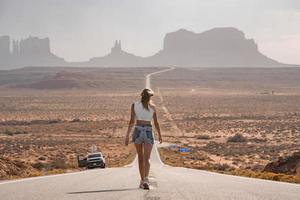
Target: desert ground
[232,120]
[48,116]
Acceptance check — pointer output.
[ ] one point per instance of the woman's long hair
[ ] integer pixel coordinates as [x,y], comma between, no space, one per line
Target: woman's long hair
[145,99]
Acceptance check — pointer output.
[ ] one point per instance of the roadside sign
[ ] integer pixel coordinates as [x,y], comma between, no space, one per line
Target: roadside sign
[93,148]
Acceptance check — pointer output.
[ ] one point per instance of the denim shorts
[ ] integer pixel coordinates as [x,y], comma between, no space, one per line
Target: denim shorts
[142,134]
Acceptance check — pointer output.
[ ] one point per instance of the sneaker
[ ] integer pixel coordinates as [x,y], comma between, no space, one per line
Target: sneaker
[146,185]
[142,184]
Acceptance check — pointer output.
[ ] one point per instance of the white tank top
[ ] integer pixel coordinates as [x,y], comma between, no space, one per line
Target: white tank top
[142,113]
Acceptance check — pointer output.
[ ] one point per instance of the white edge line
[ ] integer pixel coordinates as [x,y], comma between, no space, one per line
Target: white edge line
[156,150]
[40,177]
[3,182]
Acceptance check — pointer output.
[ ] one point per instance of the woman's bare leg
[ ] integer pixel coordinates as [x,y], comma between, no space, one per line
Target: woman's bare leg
[147,153]
[139,150]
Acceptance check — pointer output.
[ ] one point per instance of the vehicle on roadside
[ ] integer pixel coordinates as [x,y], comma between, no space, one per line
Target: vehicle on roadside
[94,160]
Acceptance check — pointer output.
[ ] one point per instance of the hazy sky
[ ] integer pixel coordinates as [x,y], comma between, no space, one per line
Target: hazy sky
[81,29]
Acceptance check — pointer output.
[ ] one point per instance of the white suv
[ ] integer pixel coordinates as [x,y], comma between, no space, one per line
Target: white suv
[95,160]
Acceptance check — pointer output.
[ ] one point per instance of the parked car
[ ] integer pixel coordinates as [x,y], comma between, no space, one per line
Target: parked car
[95,160]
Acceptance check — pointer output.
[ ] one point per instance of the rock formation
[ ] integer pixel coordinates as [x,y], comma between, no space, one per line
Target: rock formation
[117,58]
[32,51]
[218,47]
[4,50]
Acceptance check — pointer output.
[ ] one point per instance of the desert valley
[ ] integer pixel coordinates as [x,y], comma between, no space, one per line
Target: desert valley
[233,120]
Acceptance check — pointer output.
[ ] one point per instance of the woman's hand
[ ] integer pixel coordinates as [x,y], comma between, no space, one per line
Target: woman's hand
[130,125]
[126,140]
[160,139]
[157,126]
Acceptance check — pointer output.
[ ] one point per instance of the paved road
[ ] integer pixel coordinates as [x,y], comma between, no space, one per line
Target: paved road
[167,183]
[148,76]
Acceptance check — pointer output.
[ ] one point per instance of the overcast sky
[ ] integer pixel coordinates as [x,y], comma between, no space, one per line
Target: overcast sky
[81,29]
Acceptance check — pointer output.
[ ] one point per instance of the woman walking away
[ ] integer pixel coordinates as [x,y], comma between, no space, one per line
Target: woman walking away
[143,112]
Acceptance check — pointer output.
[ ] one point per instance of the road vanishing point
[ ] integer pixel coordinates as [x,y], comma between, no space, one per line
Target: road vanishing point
[166,183]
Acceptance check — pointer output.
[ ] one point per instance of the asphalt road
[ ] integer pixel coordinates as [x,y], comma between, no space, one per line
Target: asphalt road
[148,76]
[166,183]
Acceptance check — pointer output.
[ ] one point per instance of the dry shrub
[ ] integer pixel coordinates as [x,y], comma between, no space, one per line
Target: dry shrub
[203,137]
[35,173]
[298,175]
[76,120]
[267,175]
[237,138]
[57,163]
[8,132]
[72,165]
[14,132]
[56,171]
[39,121]
[38,165]
[42,158]
[222,167]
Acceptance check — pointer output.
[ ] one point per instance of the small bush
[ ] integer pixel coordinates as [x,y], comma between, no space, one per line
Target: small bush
[38,165]
[203,137]
[35,174]
[40,121]
[59,163]
[42,158]
[76,120]
[237,138]
[8,132]
[54,121]
[267,176]
[298,171]
[56,171]
[20,132]
[12,133]
[222,167]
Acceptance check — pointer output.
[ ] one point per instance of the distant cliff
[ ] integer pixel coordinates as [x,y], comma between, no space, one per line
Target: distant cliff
[117,58]
[215,47]
[5,55]
[218,47]
[32,51]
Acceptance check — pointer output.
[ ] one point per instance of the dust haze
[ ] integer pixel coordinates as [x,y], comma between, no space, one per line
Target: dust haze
[230,91]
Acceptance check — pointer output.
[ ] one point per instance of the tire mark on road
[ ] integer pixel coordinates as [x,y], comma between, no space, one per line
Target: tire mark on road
[177,131]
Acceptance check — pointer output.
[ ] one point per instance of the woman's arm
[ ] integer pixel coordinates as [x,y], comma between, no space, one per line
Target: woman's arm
[130,125]
[157,126]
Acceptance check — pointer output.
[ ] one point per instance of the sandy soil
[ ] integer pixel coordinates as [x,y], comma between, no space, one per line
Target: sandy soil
[205,108]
